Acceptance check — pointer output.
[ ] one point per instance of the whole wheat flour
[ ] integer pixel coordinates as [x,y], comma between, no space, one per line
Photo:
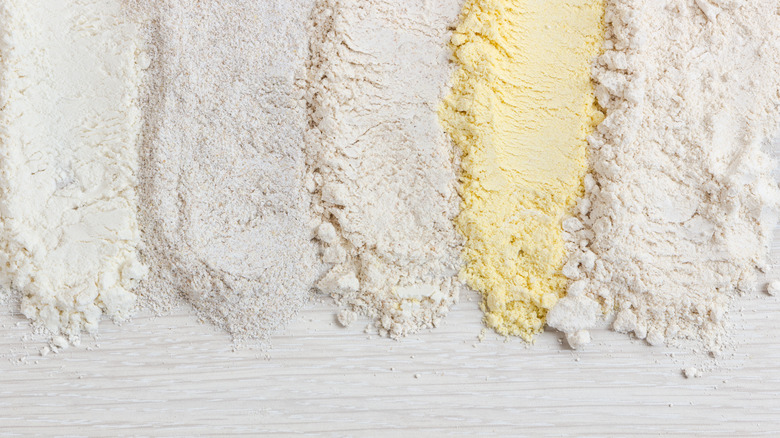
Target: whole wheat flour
[69,126]
[383,172]
[681,203]
[225,214]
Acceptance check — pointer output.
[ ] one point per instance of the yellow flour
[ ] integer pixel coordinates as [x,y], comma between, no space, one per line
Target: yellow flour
[521,107]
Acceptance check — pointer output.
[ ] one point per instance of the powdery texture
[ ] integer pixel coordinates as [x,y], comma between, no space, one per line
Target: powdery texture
[69,127]
[383,172]
[681,204]
[521,108]
[225,215]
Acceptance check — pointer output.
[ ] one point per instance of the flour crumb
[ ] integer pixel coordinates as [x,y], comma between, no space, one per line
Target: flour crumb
[346,317]
[59,342]
[578,339]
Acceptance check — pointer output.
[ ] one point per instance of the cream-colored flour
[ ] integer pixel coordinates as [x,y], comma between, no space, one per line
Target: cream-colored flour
[681,203]
[225,215]
[69,126]
[383,172]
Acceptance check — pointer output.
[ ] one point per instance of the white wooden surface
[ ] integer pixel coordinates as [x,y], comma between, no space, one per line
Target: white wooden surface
[171,376]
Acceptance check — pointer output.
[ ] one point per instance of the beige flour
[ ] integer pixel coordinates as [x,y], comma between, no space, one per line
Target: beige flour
[383,172]
[681,203]
[225,215]
[69,125]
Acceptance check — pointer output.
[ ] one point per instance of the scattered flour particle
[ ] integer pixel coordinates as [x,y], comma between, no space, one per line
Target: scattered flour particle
[578,339]
[59,342]
[681,202]
[346,317]
[226,215]
[773,288]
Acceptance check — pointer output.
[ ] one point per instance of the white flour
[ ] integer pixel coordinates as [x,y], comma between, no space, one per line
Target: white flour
[68,132]
[681,204]
[225,216]
[383,171]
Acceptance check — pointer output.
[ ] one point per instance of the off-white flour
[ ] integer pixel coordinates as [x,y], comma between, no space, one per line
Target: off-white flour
[383,173]
[681,203]
[69,125]
[225,214]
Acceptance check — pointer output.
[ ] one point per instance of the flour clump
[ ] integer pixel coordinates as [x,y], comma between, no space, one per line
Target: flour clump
[773,288]
[521,108]
[69,125]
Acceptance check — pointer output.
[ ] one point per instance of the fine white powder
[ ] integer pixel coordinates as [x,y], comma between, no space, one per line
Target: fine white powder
[680,206]
[383,173]
[225,214]
[69,126]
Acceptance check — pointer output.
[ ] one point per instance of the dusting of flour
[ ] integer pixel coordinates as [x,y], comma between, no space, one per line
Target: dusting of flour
[680,206]
[225,215]
[383,173]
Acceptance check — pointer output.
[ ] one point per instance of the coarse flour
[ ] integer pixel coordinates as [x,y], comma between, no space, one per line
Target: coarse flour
[225,216]
[68,132]
[383,173]
[681,203]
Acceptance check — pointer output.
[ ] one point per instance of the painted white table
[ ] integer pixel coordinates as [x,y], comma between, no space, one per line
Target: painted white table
[171,376]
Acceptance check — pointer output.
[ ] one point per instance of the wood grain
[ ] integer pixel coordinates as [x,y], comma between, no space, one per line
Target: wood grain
[170,376]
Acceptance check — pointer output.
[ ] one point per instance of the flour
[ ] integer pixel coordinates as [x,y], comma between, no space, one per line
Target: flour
[523,133]
[225,214]
[773,288]
[68,133]
[691,372]
[681,203]
[383,172]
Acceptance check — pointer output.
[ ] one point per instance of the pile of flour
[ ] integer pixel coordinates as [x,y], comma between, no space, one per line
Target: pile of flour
[225,214]
[69,128]
[681,203]
[383,173]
